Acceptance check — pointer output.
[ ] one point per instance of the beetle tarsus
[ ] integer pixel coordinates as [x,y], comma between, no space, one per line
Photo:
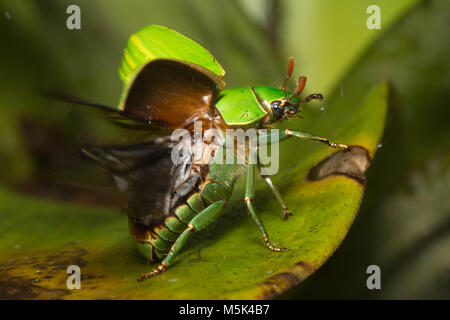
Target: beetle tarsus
[286,213]
[269,245]
[161,268]
[338,145]
[343,147]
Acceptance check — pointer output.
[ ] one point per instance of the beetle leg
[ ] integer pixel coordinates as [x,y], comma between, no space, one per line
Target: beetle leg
[306,136]
[199,222]
[249,191]
[286,212]
[288,133]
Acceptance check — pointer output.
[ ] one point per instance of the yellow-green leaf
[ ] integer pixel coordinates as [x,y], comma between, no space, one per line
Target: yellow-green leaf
[39,239]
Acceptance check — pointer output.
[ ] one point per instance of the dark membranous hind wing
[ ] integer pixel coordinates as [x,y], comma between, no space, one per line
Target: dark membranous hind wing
[153,182]
[112,114]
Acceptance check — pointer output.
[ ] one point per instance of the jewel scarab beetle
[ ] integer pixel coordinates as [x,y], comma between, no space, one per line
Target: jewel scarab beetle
[172,82]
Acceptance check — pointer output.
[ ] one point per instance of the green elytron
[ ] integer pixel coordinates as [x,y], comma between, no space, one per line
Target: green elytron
[172,82]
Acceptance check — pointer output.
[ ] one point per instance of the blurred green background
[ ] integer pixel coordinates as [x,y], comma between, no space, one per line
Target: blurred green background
[404,223]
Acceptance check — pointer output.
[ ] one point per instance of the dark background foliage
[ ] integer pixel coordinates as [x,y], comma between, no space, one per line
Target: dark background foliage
[404,223]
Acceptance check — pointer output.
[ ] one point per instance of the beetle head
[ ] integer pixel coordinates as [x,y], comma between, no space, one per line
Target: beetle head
[283,109]
[289,106]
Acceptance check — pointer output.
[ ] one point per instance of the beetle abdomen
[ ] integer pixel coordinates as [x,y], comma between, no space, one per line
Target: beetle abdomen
[155,241]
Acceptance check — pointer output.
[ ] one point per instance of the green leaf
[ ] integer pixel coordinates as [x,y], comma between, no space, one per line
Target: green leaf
[40,239]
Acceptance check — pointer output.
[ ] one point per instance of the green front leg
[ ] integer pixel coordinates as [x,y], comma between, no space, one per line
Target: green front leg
[199,222]
[249,193]
[288,133]
[306,136]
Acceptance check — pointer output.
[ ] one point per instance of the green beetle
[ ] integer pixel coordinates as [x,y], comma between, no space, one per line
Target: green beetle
[172,82]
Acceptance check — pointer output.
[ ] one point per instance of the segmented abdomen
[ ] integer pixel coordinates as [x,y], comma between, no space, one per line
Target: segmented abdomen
[200,186]
[154,241]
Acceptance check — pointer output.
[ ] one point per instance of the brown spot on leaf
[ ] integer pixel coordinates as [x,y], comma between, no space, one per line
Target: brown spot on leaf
[20,288]
[19,278]
[280,282]
[352,163]
[17,288]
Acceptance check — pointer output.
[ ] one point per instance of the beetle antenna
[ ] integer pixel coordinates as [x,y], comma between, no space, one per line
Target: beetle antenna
[291,64]
[301,82]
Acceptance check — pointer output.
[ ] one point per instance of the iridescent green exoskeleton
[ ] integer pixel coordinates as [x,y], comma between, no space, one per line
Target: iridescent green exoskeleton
[171,82]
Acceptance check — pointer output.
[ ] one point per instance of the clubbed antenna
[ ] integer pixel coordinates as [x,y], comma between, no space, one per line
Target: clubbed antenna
[301,82]
[289,73]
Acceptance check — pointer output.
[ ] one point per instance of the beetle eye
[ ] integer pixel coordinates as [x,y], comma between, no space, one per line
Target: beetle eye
[277,109]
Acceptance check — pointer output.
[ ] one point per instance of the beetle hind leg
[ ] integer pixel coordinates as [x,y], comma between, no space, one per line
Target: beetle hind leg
[199,222]
[162,267]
